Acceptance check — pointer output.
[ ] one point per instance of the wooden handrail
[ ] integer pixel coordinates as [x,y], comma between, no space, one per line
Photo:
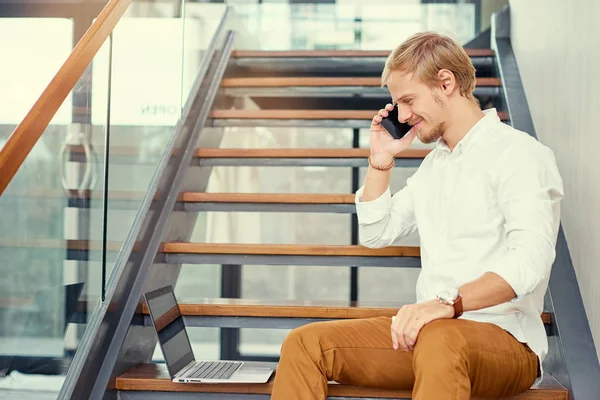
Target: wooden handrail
[28,132]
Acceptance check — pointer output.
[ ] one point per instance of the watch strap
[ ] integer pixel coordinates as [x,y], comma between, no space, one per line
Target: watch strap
[458,307]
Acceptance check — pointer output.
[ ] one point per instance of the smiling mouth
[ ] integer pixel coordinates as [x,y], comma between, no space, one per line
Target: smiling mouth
[416,123]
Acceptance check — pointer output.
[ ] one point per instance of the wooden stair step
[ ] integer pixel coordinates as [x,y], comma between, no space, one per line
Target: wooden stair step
[293,114]
[289,249]
[292,309]
[267,202]
[277,198]
[299,153]
[155,377]
[303,114]
[336,53]
[263,82]
[284,308]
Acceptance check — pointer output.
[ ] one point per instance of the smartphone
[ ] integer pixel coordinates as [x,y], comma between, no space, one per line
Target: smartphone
[391,124]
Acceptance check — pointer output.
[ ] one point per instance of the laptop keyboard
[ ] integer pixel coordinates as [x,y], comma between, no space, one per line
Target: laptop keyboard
[214,369]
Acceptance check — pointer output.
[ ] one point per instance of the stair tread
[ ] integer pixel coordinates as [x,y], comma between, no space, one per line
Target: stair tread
[299,153]
[302,114]
[292,308]
[293,114]
[155,377]
[271,198]
[289,249]
[321,81]
[284,308]
[336,53]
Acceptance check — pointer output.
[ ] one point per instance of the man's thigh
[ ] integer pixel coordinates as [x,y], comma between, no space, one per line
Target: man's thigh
[358,352]
[496,364]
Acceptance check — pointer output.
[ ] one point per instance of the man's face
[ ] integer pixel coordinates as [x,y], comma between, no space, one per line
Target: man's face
[419,105]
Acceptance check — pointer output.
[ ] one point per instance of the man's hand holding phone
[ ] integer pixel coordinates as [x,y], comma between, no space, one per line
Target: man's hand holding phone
[384,146]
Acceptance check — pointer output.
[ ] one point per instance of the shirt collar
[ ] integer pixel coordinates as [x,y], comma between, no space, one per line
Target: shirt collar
[488,121]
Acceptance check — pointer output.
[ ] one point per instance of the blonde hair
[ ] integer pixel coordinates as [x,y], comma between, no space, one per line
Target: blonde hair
[424,54]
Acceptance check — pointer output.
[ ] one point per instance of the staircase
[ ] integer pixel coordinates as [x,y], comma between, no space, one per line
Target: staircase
[335,89]
[300,89]
[255,91]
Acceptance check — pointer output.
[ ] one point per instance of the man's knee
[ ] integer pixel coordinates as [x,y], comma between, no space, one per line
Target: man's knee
[308,339]
[440,345]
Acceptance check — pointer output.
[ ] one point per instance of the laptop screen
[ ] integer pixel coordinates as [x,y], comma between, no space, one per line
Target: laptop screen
[172,337]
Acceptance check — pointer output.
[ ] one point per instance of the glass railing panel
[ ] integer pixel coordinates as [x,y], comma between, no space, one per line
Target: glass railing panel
[146,99]
[50,235]
[158,51]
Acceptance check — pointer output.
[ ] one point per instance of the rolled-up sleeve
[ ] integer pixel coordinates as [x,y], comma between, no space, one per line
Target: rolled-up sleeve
[529,193]
[385,219]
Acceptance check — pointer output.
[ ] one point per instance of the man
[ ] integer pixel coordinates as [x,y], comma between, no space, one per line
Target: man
[485,202]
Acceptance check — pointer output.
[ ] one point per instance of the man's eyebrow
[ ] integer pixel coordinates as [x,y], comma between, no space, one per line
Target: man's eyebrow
[399,99]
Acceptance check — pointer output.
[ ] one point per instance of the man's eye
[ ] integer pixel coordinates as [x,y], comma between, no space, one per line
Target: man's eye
[408,101]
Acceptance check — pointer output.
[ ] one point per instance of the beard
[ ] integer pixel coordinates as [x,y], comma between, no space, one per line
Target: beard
[432,135]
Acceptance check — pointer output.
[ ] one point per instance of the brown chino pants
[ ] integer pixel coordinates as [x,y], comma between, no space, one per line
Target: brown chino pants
[452,360]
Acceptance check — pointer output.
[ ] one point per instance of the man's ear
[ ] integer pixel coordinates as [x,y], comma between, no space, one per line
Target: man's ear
[447,80]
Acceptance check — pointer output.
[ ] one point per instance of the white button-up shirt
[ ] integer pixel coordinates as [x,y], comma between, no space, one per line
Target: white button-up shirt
[492,204]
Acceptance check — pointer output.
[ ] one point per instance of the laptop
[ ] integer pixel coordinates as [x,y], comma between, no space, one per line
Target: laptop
[177,350]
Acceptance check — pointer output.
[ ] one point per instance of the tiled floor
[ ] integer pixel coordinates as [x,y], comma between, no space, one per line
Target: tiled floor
[19,386]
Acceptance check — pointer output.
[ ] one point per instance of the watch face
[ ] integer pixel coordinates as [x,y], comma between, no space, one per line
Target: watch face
[449,294]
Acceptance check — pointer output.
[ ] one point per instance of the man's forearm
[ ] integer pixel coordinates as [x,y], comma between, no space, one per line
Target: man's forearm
[376,183]
[487,291]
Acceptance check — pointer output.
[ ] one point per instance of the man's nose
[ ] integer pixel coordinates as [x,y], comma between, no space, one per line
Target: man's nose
[404,114]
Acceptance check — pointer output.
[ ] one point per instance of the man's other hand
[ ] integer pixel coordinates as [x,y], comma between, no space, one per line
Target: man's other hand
[409,321]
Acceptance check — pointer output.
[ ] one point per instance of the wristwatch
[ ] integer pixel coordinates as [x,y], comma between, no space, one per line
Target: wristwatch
[451,297]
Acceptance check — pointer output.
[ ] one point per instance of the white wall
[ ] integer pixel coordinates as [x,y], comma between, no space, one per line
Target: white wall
[556,44]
